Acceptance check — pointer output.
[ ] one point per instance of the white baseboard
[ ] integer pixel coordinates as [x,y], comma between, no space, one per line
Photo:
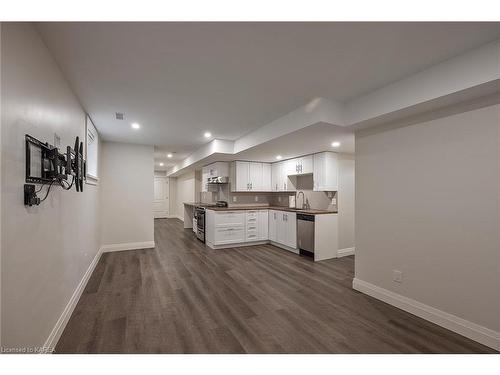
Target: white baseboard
[127,246]
[461,326]
[345,252]
[58,329]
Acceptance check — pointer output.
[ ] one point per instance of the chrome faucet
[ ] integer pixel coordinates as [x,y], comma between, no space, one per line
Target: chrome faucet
[303,199]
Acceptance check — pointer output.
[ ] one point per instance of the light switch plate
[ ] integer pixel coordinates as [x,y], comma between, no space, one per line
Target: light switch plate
[256,198]
[279,199]
[234,198]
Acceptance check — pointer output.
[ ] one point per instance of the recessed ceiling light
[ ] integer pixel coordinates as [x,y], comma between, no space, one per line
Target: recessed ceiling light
[207,134]
[278,157]
[135,125]
[169,155]
[161,164]
[335,144]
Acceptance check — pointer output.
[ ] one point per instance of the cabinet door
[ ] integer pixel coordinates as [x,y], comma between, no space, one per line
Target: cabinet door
[281,227]
[275,176]
[205,174]
[242,183]
[306,164]
[263,225]
[291,229]
[255,176]
[325,176]
[290,167]
[266,177]
[318,168]
[273,217]
[220,169]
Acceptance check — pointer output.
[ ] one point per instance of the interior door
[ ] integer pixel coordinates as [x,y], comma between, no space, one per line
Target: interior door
[160,199]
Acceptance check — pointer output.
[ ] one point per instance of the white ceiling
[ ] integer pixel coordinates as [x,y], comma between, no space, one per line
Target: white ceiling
[180,79]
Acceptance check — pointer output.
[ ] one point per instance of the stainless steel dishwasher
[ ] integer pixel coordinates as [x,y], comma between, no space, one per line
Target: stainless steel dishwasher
[305,234]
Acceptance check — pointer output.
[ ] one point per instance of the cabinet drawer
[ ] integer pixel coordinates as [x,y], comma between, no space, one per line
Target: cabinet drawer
[252,227]
[230,217]
[229,234]
[252,214]
[252,236]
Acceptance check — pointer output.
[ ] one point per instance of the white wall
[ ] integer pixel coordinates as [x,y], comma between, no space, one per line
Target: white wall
[345,202]
[185,192]
[46,249]
[127,193]
[427,204]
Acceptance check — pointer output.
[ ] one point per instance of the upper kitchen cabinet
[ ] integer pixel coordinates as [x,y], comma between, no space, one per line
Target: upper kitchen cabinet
[266,177]
[300,166]
[279,176]
[250,176]
[325,174]
[218,169]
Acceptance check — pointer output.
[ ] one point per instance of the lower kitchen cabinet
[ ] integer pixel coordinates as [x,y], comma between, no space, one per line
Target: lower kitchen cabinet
[239,227]
[283,228]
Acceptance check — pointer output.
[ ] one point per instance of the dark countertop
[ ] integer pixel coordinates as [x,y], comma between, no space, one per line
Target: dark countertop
[277,208]
[199,204]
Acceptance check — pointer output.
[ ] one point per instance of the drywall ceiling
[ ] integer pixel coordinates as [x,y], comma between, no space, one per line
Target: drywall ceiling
[180,79]
[308,140]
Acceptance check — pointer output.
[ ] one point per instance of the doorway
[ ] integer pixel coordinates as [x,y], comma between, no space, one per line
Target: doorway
[161,202]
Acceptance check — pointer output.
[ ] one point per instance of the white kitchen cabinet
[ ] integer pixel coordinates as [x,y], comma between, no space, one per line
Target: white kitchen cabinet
[218,169]
[279,176]
[283,228]
[263,225]
[291,229]
[252,226]
[224,228]
[255,176]
[242,177]
[266,177]
[325,171]
[251,176]
[205,174]
[273,222]
[275,176]
[257,225]
[300,166]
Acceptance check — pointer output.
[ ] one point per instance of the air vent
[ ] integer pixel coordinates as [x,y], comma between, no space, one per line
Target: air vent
[119,116]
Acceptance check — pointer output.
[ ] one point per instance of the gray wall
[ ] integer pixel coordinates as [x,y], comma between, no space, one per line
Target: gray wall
[427,204]
[47,249]
[127,193]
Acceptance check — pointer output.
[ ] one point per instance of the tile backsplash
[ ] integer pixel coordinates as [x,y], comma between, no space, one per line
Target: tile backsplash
[316,199]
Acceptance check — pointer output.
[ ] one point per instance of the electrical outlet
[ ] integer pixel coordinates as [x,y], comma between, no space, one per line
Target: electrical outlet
[397,276]
[334,201]
[256,198]
[234,198]
[279,199]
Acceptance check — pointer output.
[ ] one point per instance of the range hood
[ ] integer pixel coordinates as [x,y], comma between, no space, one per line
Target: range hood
[218,180]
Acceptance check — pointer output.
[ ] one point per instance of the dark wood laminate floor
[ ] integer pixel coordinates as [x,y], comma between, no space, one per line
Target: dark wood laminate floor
[182,297]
